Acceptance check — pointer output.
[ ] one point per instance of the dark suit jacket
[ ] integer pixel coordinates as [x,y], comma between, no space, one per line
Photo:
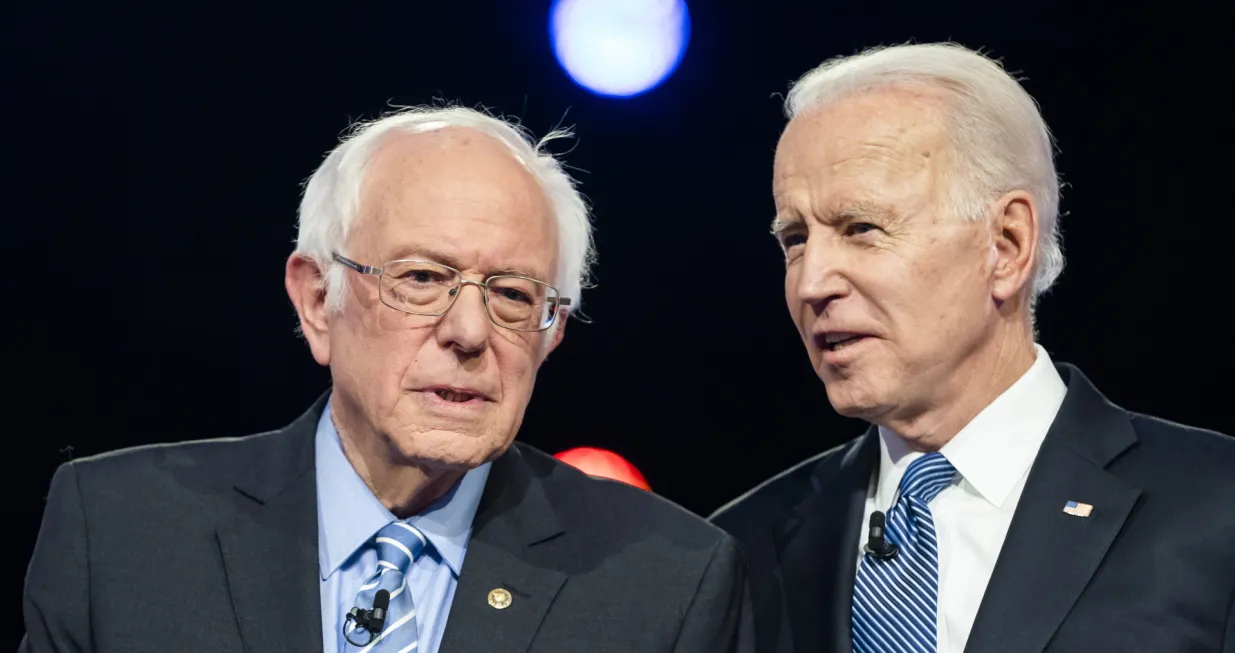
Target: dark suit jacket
[1152,569]
[212,546]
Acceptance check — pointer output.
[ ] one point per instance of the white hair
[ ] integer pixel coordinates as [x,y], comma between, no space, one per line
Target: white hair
[999,138]
[331,199]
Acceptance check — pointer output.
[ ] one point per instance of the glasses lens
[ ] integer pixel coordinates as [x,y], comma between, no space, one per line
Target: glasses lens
[418,287]
[522,304]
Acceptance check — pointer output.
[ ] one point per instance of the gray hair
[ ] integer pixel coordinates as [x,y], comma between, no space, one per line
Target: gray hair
[995,128]
[331,198]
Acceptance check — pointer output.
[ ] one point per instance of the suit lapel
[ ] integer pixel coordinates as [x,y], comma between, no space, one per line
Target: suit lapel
[819,543]
[1049,556]
[270,547]
[513,519]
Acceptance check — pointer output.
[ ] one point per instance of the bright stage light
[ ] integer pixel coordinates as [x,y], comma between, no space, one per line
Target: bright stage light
[619,47]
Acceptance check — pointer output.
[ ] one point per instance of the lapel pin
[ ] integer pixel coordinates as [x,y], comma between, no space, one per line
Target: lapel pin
[1077,509]
[500,599]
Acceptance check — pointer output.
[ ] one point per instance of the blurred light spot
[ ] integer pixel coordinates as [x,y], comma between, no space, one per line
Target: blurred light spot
[619,48]
[603,463]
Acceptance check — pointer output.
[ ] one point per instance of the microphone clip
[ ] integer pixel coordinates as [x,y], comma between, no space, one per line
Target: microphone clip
[362,619]
[877,544]
[371,621]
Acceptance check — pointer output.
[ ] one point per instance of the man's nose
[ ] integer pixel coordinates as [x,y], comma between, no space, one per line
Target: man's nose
[820,280]
[466,325]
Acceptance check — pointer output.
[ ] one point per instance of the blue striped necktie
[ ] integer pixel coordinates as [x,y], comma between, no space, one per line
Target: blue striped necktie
[896,601]
[398,544]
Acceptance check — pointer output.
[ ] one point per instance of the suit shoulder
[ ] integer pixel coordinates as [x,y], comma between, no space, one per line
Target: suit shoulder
[1197,450]
[214,458]
[609,505]
[770,500]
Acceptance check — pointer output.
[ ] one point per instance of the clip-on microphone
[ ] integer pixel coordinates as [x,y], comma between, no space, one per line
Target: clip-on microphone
[876,544]
[371,621]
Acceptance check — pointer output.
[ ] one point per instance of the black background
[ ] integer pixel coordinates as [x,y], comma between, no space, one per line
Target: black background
[158,152]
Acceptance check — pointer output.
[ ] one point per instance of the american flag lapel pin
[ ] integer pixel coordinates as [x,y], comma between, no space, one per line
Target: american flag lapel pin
[1077,508]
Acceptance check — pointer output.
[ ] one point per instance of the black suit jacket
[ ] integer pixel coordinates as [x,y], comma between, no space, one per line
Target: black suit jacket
[1152,569]
[212,546]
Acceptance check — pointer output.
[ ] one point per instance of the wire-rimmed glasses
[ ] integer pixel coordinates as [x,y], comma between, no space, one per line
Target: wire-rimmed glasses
[426,288]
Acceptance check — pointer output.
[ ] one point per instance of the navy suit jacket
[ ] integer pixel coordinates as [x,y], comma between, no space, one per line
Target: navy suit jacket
[1152,569]
[212,546]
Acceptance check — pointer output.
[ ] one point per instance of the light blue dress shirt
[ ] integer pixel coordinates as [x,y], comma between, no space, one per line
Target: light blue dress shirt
[349,515]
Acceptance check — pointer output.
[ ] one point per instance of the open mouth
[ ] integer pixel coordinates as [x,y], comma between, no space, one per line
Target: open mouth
[455,397]
[839,341]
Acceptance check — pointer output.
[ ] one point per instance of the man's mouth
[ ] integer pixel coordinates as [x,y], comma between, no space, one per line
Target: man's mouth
[838,341]
[456,396]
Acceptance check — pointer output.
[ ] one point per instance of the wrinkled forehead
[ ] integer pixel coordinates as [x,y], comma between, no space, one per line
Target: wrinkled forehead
[455,189]
[408,168]
[882,135]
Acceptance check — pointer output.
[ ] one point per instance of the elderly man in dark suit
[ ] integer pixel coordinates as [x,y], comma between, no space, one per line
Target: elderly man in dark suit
[998,502]
[439,255]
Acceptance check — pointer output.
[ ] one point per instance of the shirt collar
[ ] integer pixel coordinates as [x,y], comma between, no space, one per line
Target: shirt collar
[997,447]
[349,514]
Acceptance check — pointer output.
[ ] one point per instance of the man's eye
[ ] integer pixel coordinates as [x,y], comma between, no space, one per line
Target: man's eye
[790,240]
[513,295]
[858,228]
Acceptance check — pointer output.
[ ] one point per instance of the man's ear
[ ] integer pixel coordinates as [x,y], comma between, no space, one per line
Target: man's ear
[559,331]
[307,289]
[1014,231]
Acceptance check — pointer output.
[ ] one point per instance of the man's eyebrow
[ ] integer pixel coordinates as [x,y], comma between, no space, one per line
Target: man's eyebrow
[847,213]
[782,222]
[430,254]
[425,253]
[863,211]
[516,272]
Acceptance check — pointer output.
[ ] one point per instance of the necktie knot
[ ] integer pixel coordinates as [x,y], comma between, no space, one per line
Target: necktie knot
[398,544]
[927,476]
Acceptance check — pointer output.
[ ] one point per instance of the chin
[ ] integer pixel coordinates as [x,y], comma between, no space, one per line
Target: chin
[850,398]
[447,449]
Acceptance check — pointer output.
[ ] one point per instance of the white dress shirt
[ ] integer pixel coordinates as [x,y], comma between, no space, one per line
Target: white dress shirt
[992,456]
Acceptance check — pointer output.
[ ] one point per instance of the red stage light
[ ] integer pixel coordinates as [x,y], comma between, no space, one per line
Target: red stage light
[603,463]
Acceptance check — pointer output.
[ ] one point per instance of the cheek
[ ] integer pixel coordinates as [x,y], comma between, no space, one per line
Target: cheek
[946,293]
[400,357]
[791,292]
[385,351]
[963,273]
[518,360]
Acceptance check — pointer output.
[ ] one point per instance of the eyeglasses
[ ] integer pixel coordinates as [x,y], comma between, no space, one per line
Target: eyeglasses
[425,288]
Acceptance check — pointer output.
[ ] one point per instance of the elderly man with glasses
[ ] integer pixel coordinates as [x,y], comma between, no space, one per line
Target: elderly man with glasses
[440,253]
